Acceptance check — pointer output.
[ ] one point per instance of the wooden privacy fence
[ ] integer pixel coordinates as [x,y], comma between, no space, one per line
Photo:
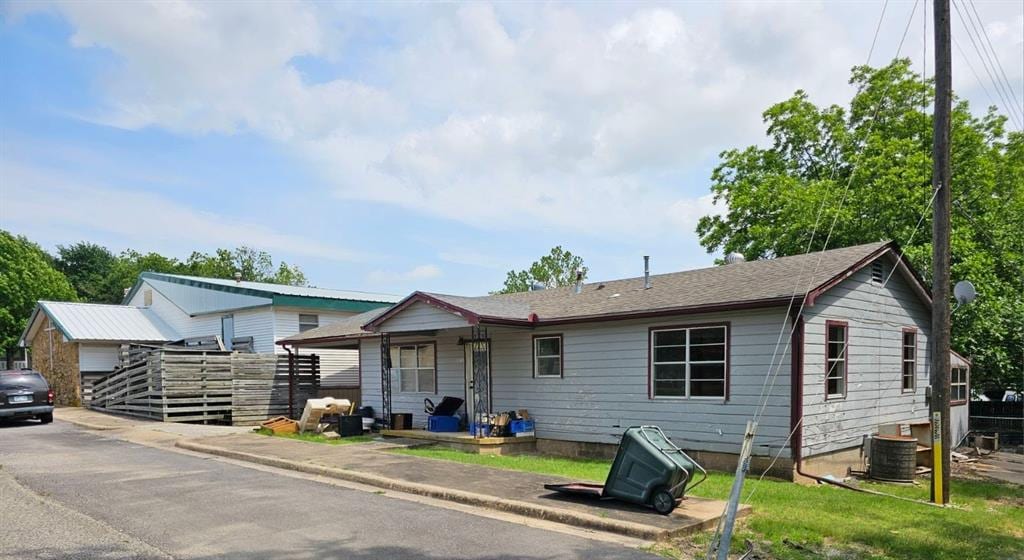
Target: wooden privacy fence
[263,386]
[182,385]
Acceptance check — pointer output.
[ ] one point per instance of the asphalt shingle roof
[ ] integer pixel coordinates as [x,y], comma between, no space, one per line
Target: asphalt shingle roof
[732,284]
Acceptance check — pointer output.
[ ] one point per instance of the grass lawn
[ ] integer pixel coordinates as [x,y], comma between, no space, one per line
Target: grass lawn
[317,438]
[985,522]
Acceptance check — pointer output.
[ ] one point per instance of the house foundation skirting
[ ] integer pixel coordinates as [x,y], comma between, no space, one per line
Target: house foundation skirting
[711,460]
[836,463]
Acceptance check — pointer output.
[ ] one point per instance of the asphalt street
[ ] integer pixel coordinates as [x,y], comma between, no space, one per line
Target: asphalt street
[66,492]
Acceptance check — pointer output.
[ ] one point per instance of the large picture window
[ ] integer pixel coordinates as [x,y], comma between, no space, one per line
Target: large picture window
[909,360]
[416,367]
[836,360]
[689,362]
[547,356]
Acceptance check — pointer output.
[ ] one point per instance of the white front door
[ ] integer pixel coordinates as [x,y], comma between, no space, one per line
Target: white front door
[482,351]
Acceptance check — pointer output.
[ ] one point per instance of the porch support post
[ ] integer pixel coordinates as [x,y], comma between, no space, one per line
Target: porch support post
[385,379]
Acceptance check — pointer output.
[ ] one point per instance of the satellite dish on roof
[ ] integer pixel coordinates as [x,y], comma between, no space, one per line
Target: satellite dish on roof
[964,292]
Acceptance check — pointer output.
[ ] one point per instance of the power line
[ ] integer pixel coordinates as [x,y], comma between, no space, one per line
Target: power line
[986,61]
[963,55]
[835,220]
[1009,84]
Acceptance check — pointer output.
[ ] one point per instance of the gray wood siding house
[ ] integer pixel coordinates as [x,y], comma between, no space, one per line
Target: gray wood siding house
[823,348]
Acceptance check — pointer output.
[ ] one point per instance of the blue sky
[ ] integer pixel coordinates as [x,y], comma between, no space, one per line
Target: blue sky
[413,146]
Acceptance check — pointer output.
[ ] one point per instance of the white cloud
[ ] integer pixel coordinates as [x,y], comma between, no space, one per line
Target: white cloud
[30,194]
[545,116]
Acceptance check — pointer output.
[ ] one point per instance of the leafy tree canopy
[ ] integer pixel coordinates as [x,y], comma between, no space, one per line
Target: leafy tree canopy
[87,266]
[553,270]
[254,265]
[27,275]
[867,169]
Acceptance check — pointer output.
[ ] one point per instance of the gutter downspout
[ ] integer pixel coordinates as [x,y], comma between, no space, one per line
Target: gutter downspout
[796,405]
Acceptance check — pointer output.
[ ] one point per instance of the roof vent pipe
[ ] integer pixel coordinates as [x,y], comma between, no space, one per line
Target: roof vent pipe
[579,281]
[647,272]
[238,276]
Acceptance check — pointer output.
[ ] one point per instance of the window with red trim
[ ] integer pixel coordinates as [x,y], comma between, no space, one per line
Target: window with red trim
[836,360]
[909,377]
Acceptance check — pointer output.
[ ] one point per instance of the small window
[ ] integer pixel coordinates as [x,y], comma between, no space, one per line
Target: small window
[689,362]
[547,356]
[308,322]
[958,385]
[909,360]
[837,360]
[147,297]
[415,366]
[227,330]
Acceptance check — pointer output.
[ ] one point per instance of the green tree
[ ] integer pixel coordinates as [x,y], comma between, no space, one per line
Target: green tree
[87,266]
[26,276]
[254,265]
[867,169]
[558,268]
[129,265]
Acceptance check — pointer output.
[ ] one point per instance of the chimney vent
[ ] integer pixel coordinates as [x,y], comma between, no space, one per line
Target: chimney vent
[647,272]
[579,281]
[238,276]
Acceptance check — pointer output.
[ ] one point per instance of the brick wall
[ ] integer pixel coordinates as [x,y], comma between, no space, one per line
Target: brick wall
[62,371]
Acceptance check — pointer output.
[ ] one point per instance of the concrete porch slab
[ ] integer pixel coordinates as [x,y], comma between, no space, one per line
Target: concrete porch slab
[510,491]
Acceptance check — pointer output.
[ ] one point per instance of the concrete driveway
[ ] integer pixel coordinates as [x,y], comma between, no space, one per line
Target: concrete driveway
[77,494]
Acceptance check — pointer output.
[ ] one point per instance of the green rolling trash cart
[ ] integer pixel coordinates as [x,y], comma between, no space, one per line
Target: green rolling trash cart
[648,470]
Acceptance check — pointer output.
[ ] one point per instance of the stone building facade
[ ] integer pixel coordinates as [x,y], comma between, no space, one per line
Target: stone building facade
[57,360]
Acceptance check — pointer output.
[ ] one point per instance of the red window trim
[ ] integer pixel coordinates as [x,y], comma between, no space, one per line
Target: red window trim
[903,333]
[846,361]
[561,355]
[420,343]
[650,355]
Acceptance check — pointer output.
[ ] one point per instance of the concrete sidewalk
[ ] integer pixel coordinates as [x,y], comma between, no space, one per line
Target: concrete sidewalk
[510,491]
[141,430]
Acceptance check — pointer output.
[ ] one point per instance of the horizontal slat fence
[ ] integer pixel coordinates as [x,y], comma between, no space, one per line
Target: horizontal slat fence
[261,386]
[185,385]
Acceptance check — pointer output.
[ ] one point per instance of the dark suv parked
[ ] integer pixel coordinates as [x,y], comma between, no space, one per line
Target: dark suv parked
[25,394]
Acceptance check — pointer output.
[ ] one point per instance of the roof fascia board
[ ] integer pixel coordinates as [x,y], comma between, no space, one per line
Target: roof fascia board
[29,331]
[208,285]
[134,290]
[901,263]
[711,308]
[57,323]
[168,298]
[469,316]
[328,304]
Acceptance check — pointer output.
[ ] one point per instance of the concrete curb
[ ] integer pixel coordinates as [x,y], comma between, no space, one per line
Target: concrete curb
[89,425]
[535,511]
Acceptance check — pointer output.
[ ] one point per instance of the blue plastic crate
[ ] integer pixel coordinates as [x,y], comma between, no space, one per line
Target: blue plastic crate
[520,426]
[486,429]
[443,424]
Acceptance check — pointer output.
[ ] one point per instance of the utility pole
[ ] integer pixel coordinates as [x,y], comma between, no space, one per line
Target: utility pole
[941,176]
